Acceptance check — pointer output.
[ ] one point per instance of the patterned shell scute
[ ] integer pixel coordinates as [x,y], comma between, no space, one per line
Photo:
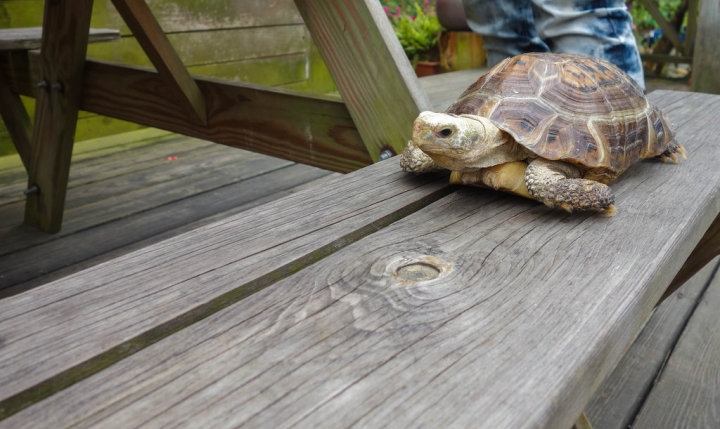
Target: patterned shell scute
[570,107]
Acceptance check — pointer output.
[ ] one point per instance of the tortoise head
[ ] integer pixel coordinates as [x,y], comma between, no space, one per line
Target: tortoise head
[464,142]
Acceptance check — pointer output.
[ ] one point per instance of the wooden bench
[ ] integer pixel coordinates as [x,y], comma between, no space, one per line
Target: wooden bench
[380,299]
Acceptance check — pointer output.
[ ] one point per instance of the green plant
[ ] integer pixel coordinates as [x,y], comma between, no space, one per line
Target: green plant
[417,28]
[642,18]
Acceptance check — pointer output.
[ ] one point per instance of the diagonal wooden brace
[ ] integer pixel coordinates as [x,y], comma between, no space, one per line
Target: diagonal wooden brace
[157,47]
[16,119]
[373,74]
[705,251]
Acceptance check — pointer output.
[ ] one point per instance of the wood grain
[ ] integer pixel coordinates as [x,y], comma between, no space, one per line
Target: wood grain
[30,37]
[687,393]
[154,226]
[13,181]
[369,67]
[311,129]
[530,312]
[16,120]
[461,50]
[706,58]
[174,16]
[255,179]
[64,44]
[177,79]
[265,244]
[617,402]
[214,47]
[105,202]
[705,251]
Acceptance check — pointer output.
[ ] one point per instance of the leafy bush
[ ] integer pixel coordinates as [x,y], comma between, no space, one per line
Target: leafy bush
[416,27]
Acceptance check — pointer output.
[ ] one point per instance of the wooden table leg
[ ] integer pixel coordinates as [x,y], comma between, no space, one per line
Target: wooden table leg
[705,251]
[66,24]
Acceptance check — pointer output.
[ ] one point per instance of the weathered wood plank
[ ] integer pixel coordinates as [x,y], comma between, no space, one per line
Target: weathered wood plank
[16,120]
[532,310]
[162,189]
[275,71]
[691,29]
[305,227]
[706,58]
[173,16]
[244,196]
[704,252]
[369,67]
[687,393]
[30,37]
[113,162]
[618,401]
[214,47]
[461,50]
[64,44]
[311,129]
[11,164]
[662,58]
[150,35]
[251,182]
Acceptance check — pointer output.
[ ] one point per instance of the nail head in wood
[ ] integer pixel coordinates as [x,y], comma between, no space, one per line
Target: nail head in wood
[43,84]
[386,154]
[58,86]
[31,190]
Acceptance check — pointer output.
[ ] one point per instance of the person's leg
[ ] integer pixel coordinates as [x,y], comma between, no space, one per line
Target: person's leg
[601,28]
[507,27]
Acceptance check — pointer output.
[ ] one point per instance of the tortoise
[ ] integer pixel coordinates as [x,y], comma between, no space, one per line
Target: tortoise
[554,127]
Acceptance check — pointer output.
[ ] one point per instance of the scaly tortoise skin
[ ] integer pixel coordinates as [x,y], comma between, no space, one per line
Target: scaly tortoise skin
[579,121]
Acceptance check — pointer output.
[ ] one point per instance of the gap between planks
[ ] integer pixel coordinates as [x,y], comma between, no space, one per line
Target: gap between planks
[419,192]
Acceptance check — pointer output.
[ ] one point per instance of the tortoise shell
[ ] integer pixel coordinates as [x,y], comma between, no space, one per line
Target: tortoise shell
[574,108]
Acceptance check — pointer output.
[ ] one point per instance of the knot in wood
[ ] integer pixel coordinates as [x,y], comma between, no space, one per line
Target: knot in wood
[418,272]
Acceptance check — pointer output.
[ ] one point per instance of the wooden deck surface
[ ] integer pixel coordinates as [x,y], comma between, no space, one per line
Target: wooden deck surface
[132,190]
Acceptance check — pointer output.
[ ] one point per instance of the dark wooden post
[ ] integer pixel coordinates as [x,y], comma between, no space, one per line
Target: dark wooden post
[66,24]
[706,59]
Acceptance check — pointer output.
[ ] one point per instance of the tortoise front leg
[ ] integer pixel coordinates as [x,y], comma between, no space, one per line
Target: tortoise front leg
[413,160]
[558,184]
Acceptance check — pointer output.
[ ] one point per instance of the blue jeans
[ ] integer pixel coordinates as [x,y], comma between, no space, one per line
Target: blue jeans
[601,28]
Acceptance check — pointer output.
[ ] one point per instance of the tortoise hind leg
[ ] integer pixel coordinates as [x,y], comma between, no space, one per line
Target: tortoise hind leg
[673,148]
[558,184]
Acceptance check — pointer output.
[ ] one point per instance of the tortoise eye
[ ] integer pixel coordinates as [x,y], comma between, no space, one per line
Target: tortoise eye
[445,132]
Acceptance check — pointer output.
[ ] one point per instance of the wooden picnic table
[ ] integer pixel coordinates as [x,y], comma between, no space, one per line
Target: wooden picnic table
[381,299]
[380,96]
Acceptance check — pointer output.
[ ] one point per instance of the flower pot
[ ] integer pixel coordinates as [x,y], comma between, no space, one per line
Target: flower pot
[427,68]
